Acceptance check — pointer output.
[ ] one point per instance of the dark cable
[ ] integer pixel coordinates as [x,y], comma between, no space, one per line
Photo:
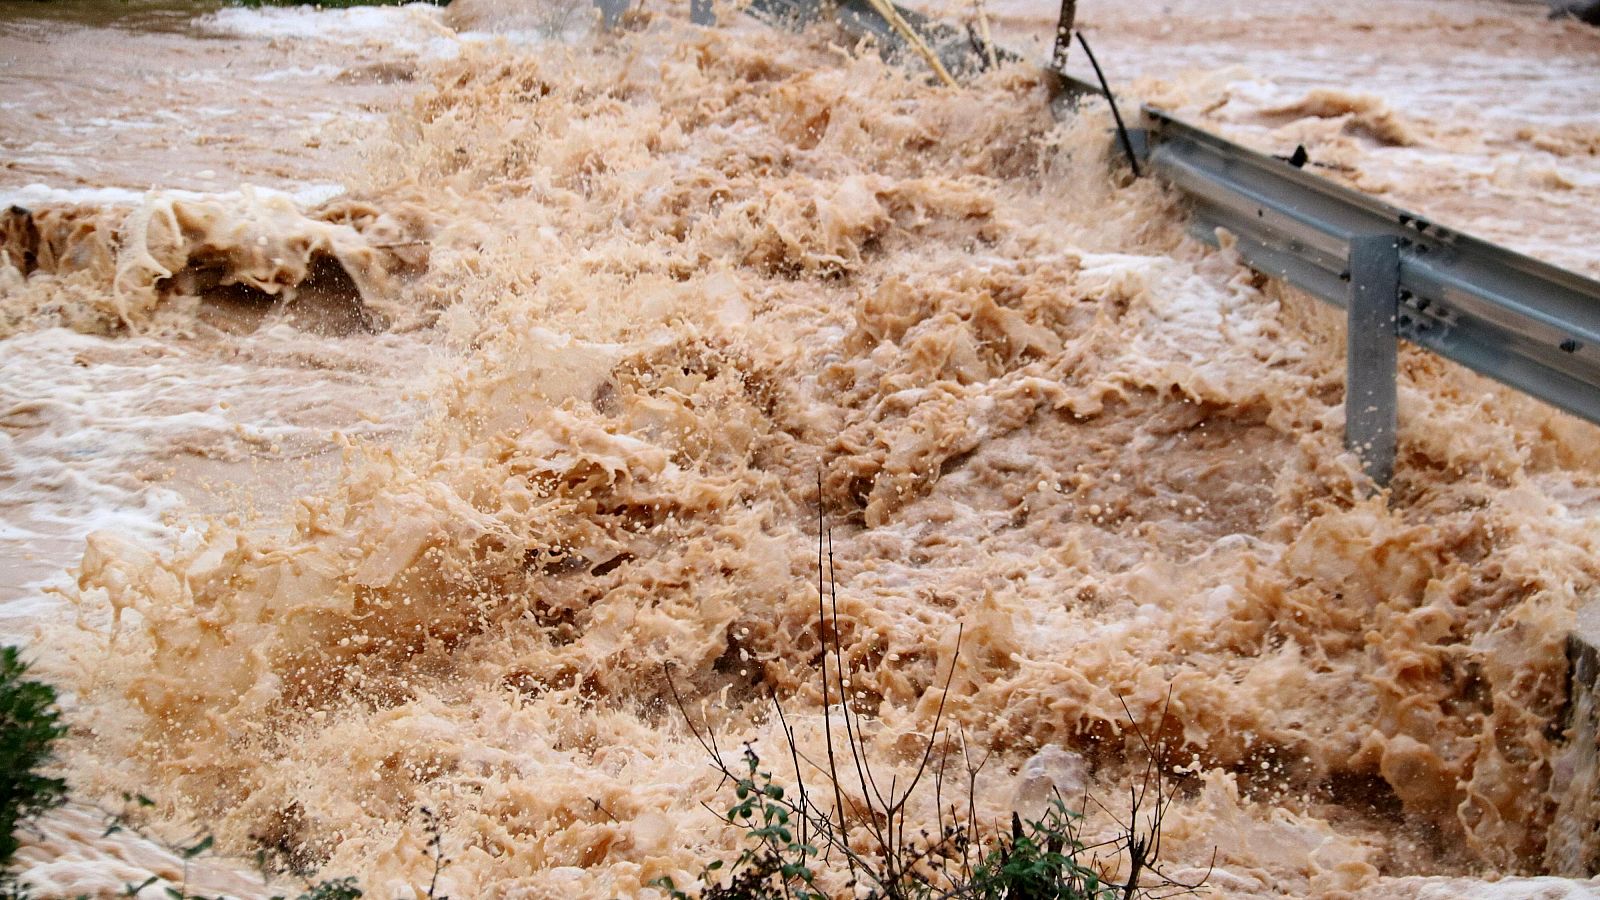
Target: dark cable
[1122,131]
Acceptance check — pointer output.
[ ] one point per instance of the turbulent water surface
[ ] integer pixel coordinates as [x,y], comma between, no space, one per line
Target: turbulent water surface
[390,399]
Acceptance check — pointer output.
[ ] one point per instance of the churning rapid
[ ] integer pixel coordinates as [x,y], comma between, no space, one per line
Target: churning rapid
[548,403]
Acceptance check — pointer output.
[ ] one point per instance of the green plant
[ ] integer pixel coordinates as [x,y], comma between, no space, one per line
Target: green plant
[853,823]
[779,863]
[29,727]
[1039,860]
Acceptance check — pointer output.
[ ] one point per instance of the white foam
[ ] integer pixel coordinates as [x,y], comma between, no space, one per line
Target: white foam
[518,37]
[42,195]
[95,426]
[321,72]
[414,28]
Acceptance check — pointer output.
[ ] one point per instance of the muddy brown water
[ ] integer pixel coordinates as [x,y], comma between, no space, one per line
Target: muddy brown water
[312,554]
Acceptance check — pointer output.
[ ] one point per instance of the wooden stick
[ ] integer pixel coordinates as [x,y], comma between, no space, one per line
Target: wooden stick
[983,30]
[892,16]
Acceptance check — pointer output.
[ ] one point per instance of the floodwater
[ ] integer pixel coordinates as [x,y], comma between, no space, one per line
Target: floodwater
[1481,114]
[394,401]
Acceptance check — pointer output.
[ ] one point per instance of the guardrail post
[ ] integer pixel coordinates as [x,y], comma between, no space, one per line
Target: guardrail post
[1370,404]
[611,11]
[1572,843]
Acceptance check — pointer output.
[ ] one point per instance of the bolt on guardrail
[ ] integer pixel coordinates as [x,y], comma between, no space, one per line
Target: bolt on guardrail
[1524,323]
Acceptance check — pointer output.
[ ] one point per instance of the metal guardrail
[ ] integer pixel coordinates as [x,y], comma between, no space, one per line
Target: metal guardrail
[1527,324]
[1522,322]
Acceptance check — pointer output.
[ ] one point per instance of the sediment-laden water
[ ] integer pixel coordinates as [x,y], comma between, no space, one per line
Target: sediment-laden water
[1480,114]
[343,506]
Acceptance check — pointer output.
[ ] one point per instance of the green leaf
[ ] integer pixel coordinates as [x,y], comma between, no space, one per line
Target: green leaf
[29,727]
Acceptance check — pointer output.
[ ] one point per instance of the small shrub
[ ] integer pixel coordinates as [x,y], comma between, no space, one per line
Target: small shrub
[870,833]
[29,726]
[1040,860]
[778,867]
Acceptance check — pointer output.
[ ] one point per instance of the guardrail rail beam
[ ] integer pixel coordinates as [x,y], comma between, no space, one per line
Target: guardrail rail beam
[1522,322]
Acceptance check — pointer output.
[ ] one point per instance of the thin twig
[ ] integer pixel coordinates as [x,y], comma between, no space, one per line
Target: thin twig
[852,729]
[892,16]
[794,755]
[822,635]
[436,842]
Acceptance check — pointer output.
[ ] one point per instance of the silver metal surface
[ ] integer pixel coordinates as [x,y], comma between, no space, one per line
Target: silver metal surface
[1372,351]
[611,11]
[1525,323]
